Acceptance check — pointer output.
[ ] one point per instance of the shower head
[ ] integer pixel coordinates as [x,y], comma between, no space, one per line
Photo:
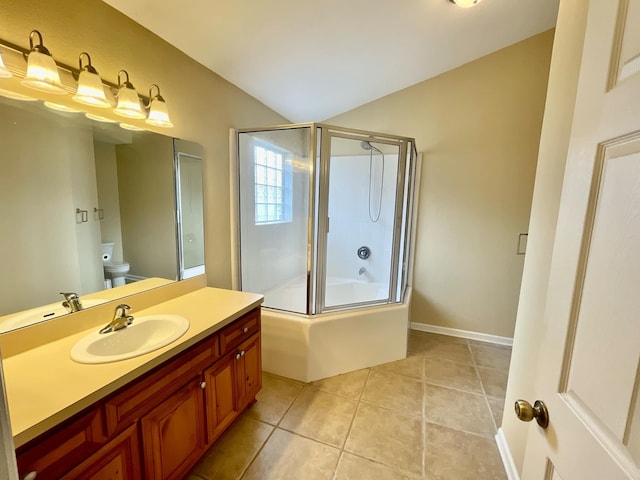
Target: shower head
[367,146]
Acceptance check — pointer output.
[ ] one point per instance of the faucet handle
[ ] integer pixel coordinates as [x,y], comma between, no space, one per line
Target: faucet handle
[121,311]
[69,295]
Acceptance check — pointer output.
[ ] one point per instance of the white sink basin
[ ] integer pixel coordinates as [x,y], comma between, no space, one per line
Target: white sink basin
[47,312]
[144,335]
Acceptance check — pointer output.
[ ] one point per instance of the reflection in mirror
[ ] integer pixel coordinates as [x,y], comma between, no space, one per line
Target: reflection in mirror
[84,207]
[189,208]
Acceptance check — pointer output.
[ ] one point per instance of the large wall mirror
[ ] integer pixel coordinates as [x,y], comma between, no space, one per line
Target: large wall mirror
[88,206]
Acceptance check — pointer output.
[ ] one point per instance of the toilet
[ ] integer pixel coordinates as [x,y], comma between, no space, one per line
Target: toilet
[114,272]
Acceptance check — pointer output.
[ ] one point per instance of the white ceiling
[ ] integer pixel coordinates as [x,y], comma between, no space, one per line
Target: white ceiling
[312,59]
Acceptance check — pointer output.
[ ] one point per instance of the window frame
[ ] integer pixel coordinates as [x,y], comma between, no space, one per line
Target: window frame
[284,170]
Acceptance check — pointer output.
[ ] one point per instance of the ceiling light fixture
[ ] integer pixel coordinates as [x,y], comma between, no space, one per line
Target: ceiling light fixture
[90,88]
[465,3]
[128,100]
[4,71]
[42,71]
[158,113]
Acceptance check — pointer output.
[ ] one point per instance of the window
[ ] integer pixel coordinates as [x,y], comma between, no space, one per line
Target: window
[272,185]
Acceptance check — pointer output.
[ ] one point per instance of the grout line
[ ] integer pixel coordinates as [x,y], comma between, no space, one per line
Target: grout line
[424,418]
[275,427]
[246,469]
[358,401]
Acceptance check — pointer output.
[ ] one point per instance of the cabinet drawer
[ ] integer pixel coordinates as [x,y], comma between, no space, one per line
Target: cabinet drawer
[239,331]
[63,449]
[126,407]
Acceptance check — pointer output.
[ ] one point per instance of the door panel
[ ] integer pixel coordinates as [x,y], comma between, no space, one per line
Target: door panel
[590,356]
[608,296]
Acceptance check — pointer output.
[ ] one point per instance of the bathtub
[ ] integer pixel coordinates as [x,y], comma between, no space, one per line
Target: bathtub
[308,348]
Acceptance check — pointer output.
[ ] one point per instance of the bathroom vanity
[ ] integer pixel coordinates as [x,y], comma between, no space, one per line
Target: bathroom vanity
[151,416]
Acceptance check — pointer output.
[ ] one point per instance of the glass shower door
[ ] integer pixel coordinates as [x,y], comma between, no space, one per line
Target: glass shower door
[359,185]
[274,180]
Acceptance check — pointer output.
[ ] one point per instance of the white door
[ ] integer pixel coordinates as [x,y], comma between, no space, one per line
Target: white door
[588,373]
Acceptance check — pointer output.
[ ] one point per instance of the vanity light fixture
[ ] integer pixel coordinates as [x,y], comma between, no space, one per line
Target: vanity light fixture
[4,71]
[128,100]
[16,96]
[98,118]
[465,3]
[133,128]
[90,89]
[42,71]
[60,108]
[158,113]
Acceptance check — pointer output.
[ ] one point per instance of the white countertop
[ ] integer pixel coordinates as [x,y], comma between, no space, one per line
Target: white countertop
[44,386]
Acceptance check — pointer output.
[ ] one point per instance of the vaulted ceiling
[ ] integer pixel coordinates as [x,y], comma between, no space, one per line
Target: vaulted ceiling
[311,60]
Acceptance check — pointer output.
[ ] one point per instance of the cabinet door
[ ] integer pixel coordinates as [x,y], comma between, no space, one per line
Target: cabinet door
[64,448]
[117,460]
[220,394]
[173,434]
[249,365]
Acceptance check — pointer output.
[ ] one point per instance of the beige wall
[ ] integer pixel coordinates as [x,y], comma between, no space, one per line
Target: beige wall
[203,106]
[41,184]
[478,127]
[554,142]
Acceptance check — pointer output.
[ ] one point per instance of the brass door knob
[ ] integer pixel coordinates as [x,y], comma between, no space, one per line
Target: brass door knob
[526,413]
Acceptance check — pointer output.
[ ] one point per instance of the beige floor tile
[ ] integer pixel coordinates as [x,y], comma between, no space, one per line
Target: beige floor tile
[455,455]
[233,452]
[491,357]
[396,392]
[452,374]
[388,437]
[290,457]
[497,409]
[320,415]
[412,366]
[456,409]
[494,381]
[352,467]
[444,338]
[448,350]
[348,384]
[274,399]
[415,344]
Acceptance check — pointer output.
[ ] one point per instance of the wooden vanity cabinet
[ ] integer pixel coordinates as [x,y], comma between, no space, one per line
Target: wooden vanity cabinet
[159,425]
[249,376]
[173,434]
[221,396]
[63,447]
[117,460]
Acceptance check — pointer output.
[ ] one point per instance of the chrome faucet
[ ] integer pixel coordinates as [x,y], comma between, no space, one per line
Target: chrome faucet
[120,319]
[71,302]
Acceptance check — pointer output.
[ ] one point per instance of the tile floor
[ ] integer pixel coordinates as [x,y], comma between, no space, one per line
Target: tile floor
[432,416]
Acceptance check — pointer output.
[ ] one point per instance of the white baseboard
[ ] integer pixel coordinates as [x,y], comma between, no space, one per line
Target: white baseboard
[454,332]
[505,454]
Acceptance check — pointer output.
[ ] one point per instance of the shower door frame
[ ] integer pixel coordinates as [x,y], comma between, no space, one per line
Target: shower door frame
[323,222]
[319,134]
